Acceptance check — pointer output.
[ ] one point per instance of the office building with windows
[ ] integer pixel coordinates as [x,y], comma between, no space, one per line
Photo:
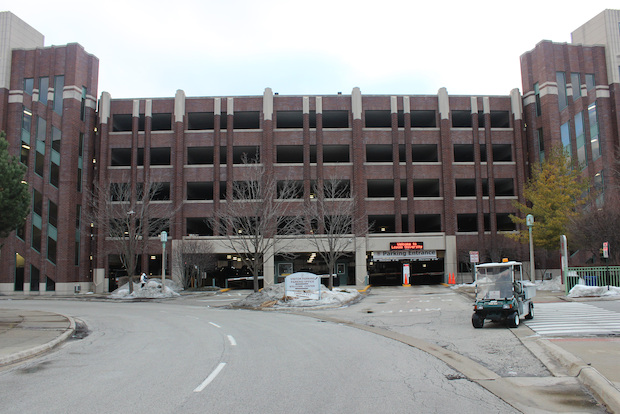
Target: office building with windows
[434,176]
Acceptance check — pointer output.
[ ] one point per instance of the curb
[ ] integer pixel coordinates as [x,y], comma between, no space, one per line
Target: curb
[18,356]
[589,376]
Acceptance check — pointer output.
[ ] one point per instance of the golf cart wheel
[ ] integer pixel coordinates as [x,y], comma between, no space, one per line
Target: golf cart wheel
[477,320]
[530,315]
[513,320]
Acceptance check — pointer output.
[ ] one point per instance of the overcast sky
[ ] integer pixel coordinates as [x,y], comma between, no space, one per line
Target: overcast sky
[315,47]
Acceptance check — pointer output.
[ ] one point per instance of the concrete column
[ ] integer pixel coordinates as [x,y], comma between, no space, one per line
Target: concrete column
[444,103]
[99,281]
[361,272]
[268,104]
[451,259]
[179,106]
[356,103]
[104,107]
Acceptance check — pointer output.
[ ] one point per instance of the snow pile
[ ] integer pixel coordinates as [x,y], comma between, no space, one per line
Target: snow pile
[273,297]
[580,291]
[152,290]
[554,285]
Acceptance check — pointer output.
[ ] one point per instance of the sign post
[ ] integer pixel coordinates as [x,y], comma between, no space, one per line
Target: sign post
[529,221]
[474,258]
[164,239]
[564,256]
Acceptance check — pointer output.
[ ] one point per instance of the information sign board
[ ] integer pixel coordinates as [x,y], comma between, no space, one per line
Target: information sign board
[303,285]
[406,246]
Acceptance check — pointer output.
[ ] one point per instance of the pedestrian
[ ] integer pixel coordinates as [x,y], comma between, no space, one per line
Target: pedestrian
[143,279]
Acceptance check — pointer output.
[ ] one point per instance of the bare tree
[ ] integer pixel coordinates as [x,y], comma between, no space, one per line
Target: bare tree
[256,214]
[596,225]
[333,223]
[128,220]
[196,257]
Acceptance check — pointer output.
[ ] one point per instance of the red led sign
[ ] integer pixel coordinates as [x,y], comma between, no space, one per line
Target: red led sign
[406,246]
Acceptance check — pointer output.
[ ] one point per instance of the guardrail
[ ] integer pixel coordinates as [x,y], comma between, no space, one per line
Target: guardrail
[592,276]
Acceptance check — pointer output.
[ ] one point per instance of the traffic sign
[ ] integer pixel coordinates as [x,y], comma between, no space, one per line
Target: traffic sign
[474,256]
[605,250]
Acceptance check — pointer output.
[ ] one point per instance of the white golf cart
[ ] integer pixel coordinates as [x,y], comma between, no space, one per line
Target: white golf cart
[502,294]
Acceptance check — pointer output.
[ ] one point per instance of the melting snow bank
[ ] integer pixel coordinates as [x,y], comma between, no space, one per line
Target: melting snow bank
[580,291]
[273,297]
[152,290]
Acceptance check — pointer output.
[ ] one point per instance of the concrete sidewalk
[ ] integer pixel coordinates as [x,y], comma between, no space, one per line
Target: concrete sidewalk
[25,333]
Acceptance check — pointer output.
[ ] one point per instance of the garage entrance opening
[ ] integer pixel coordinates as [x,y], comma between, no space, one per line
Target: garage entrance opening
[386,268]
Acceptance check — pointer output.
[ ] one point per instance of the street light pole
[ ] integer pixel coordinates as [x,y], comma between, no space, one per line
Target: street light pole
[164,239]
[529,221]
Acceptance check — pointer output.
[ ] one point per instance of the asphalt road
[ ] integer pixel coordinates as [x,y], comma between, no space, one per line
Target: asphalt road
[181,357]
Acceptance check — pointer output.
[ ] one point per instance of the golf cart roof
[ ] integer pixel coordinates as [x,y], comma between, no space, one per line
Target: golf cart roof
[511,263]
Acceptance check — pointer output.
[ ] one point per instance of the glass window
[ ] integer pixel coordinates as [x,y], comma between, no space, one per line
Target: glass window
[580,137]
[56,136]
[598,184]
[83,104]
[37,202]
[39,162]
[44,85]
[590,83]
[51,250]
[59,85]
[36,238]
[594,133]
[54,172]
[561,81]
[540,142]
[575,81]
[52,217]
[565,135]
[41,127]
[537,96]
[28,85]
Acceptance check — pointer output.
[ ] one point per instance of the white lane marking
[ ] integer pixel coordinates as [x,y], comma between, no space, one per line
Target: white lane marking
[215,324]
[210,378]
[232,340]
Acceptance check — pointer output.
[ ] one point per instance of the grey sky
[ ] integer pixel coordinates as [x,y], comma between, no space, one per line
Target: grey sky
[239,47]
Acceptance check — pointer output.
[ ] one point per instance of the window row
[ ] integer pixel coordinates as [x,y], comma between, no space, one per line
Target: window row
[423,223]
[199,121]
[294,154]
[579,131]
[44,89]
[381,188]
[575,81]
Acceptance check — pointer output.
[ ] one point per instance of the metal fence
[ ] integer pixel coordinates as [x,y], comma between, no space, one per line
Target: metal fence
[592,276]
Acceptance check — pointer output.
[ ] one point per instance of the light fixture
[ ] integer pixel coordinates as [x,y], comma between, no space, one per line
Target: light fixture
[153,257]
[26,146]
[383,229]
[228,257]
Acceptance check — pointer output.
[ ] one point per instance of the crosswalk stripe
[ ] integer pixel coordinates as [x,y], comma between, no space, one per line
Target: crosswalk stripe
[573,318]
